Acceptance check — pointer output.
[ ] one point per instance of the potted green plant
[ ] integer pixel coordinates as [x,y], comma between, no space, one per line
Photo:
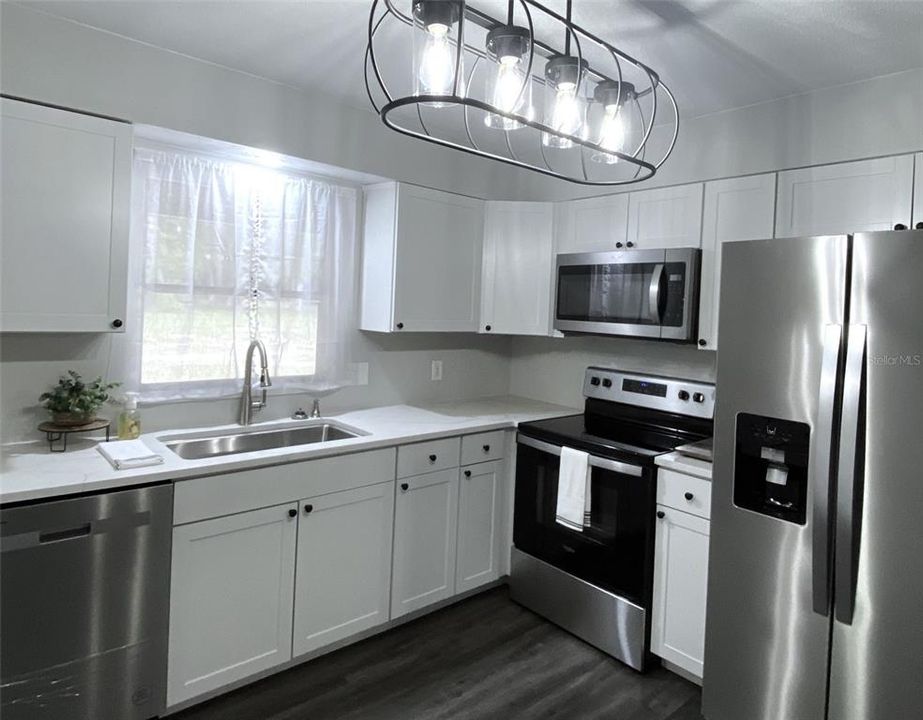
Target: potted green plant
[75,402]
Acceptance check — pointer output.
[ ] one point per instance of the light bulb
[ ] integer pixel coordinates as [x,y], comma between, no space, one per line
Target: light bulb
[509,93]
[565,118]
[437,65]
[612,133]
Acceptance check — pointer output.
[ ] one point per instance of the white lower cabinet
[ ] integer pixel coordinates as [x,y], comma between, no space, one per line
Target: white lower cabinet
[230,599]
[425,522]
[479,517]
[343,573]
[680,586]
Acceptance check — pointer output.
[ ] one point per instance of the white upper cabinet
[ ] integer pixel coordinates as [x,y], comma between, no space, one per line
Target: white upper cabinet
[849,197]
[230,599]
[918,192]
[425,526]
[665,217]
[421,260]
[343,574]
[65,198]
[735,209]
[592,225]
[518,274]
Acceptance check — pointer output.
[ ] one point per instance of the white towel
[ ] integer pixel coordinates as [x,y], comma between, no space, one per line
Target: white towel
[573,506]
[126,454]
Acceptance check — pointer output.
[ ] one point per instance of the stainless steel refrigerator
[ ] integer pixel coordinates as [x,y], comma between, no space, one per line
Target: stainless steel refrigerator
[815,595]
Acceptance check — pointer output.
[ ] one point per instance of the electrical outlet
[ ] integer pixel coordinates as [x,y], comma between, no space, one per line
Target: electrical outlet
[436,370]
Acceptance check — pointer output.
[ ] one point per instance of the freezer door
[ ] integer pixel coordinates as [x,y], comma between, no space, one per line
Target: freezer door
[876,664]
[766,652]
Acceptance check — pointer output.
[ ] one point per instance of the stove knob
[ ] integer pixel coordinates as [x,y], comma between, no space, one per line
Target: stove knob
[594,381]
[683,395]
[698,397]
[607,383]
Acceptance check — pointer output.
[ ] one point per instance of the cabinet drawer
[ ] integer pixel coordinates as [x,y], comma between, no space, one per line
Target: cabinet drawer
[483,447]
[427,457]
[684,492]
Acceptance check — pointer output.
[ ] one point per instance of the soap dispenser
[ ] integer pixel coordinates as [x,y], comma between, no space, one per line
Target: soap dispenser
[129,423]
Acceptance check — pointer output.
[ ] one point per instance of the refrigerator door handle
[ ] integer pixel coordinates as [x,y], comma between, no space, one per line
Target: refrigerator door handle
[824,470]
[850,480]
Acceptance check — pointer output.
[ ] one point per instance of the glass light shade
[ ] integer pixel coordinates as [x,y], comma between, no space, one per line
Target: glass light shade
[614,129]
[508,89]
[435,49]
[565,101]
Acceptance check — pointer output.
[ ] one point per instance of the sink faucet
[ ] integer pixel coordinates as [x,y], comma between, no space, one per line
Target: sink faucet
[315,409]
[247,405]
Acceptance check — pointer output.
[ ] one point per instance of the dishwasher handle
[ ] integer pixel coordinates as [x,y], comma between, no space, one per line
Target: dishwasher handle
[47,534]
[71,533]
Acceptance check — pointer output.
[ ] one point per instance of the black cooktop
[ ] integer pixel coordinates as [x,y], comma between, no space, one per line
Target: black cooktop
[618,431]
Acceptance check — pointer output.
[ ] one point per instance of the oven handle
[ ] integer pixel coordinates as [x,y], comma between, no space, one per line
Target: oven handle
[654,292]
[597,462]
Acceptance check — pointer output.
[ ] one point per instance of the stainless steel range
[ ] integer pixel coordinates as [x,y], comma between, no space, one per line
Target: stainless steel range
[596,580]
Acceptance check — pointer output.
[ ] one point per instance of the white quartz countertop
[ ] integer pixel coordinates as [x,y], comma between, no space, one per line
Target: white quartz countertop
[28,471]
[684,464]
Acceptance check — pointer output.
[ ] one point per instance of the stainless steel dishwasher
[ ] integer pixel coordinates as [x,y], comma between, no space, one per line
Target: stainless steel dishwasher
[84,603]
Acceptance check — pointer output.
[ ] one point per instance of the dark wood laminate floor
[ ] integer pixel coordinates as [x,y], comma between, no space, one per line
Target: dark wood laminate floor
[485,658]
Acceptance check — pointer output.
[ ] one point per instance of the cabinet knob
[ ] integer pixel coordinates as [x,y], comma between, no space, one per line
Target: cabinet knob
[900,226]
[688,496]
[661,514]
[308,508]
[467,473]
[117,323]
[292,512]
[400,326]
[487,328]
[703,342]
[432,458]
[630,244]
[487,448]
[618,244]
[919,226]
[405,487]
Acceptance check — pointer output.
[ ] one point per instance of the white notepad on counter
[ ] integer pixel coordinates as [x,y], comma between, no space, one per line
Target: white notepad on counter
[573,503]
[125,454]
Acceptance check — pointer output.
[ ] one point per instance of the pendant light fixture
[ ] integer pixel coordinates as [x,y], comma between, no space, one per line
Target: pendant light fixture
[471,70]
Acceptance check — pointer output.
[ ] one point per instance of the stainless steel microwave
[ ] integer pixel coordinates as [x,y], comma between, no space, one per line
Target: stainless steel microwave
[638,293]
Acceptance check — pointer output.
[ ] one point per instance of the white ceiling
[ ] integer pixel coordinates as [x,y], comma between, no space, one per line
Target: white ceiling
[714,54]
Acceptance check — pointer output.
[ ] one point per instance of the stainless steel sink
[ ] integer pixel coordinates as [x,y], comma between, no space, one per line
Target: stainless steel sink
[232,443]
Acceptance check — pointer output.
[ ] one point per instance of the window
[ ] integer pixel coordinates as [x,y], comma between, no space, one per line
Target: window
[229,251]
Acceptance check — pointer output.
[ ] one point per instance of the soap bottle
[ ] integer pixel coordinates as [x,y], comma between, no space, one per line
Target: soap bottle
[129,423]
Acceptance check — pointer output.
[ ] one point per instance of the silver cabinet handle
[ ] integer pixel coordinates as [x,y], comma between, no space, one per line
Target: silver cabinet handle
[849,477]
[603,463]
[653,293]
[823,470]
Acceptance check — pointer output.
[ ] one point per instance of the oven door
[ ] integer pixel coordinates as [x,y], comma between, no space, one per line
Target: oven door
[615,552]
[641,293]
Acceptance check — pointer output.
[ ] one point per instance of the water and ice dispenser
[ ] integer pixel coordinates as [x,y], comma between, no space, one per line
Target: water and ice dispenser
[771,467]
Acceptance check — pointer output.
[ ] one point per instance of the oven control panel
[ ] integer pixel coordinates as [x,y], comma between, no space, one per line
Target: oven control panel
[686,397]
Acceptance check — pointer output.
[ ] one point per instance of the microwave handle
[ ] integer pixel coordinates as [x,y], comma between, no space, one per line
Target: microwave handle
[654,292]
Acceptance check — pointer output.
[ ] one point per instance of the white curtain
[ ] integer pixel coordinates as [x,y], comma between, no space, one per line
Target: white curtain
[223,252]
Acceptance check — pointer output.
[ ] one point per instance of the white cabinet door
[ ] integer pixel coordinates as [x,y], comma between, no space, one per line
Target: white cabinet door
[518,272]
[736,209]
[479,516]
[438,261]
[343,573]
[849,197]
[680,586]
[665,217]
[425,522]
[592,225]
[65,198]
[918,192]
[230,599]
